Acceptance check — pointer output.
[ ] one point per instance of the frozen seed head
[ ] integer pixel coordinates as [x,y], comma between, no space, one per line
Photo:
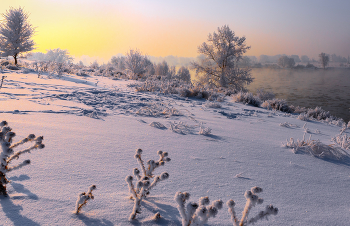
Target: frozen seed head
[128,179]
[145,178]
[137,156]
[204,201]
[186,195]
[139,151]
[271,210]
[139,184]
[41,146]
[3,123]
[254,198]
[11,134]
[159,152]
[167,159]
[230,203]
[248,194]
[6,129]
[150,162]
[31,136]
[218,203]
[26,162]
[192,206]
[260,200]
[256,190]
[202,211]
[165,154]
[161,163]
[212,211]
[164,176]
[136,171]
[6,144]
[92,187]
[146,184]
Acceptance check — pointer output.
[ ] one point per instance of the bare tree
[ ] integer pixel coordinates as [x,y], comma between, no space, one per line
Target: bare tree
[16,33]
[324,59]
[218,66]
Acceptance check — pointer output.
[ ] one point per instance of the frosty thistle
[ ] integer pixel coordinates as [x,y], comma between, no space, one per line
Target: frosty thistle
[196,214]
[83,198]
[8,154]
[143,185]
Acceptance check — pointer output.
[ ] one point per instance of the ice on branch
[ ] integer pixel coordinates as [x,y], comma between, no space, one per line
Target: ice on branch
[196,213]
[252,200]
[83,198]
[143,184]
[8,154]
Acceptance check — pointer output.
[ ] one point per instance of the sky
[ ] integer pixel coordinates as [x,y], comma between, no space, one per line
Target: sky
[104,28]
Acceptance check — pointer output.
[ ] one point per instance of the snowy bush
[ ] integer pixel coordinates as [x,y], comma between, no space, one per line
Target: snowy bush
[316,149]
[144,184]
[209,104]
[252,199]
[246,98]
[277,104]
[8,154]
[196,213]
[204,130]
[83,198]
[303,117]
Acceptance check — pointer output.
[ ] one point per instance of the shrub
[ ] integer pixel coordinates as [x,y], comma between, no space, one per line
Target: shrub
[277,104]
[246,98]
[263,95]
[143,184]
[8,154]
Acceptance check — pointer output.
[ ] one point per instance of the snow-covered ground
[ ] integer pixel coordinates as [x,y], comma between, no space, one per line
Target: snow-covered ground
[93,125]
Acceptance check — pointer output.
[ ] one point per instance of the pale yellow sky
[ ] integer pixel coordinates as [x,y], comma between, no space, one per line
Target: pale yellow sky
[104,28]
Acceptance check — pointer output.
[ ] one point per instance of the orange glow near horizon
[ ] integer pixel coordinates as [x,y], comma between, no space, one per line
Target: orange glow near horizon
[104,28]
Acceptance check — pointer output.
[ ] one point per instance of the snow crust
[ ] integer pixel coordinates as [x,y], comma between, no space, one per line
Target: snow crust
[92,126]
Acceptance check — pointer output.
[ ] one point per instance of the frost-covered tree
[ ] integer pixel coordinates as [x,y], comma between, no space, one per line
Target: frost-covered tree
[286,62]
[119,62]
[137,64]
[16,33]
[324,59]
[221,53]
[183,74]
[305,59]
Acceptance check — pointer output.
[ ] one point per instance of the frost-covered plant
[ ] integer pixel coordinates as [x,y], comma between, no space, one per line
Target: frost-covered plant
[196,213]
[204,130]
[316,149]
[144,184]
[303,117]
[155,110]
[8,154]
[180,127]
[252,200]
[277,104]
[83,198]
[246,98]
[210,104]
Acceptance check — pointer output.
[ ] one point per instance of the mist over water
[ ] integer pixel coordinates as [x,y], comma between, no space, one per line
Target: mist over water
[329,89]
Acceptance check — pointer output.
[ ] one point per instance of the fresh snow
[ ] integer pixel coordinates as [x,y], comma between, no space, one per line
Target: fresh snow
[93,125]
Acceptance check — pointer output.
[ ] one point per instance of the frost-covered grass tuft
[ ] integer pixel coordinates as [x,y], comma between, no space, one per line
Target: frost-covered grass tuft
[8,154]
[246,98]
[277,104]
[209,104]
[144,185]
[204,130]
[316,149]
[155,110]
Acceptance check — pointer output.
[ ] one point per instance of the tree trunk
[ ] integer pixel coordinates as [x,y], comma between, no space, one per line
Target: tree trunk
[15,57]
